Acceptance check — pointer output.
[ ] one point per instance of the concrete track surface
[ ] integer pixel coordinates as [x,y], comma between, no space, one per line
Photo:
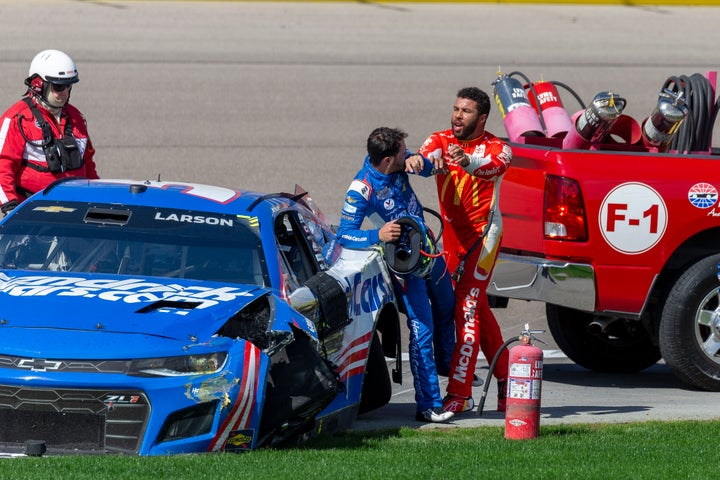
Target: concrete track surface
[264,95]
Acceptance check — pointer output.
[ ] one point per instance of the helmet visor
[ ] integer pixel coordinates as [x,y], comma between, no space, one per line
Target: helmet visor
[63,80]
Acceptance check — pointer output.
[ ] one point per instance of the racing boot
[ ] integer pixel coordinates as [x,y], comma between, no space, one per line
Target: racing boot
[434,415]
[455,404]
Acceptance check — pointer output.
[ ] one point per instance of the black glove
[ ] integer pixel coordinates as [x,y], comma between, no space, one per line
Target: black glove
[8,207]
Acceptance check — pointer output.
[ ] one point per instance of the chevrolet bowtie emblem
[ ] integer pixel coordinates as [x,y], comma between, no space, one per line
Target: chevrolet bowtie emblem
[53,209]
[39,365]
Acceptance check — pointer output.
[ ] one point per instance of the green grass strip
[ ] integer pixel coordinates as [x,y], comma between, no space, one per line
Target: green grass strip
[652,450]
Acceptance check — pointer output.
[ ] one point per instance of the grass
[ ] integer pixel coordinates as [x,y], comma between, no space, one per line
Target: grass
[653,450]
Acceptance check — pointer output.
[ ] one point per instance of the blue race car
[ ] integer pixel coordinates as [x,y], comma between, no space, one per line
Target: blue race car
[157,318]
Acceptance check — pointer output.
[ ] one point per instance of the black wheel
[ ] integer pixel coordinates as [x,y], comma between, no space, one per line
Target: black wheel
[690,326]
[376,390]
[601,343]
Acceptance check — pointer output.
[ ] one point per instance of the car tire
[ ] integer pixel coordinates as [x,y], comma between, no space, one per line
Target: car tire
[617,345]
[690,326]
[376,390]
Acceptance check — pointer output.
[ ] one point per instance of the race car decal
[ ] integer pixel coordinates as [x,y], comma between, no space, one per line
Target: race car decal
[633,218]
[253,222]
[368,293]
[53,209]
[130,290]
[240,440]
[208,192]
[703,195]
[240,415]
[183,218]
[351,360]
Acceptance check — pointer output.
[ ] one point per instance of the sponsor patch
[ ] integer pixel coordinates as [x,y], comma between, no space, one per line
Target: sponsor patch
[360,187]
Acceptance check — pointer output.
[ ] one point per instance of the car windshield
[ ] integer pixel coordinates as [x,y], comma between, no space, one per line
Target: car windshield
[132,240]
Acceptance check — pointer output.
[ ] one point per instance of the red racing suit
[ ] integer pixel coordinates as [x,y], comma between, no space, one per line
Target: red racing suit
[468,198]
[18,178]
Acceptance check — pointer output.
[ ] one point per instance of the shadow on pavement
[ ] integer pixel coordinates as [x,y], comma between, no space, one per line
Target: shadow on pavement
[657,376]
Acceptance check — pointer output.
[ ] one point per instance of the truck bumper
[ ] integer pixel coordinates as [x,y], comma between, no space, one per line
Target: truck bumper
[566,284]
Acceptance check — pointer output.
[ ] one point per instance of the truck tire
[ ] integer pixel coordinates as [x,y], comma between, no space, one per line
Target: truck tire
[376,389]
[690,326]
[622,346]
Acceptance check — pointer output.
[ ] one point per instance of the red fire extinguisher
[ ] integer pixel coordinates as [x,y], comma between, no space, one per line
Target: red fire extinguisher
[522,414]
[524,386]
[550,107]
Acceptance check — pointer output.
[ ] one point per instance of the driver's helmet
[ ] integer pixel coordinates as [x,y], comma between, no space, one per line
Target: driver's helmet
[50,66]
[413,253]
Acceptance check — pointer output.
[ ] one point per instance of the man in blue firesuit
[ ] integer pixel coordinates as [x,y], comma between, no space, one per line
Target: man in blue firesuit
[382,193]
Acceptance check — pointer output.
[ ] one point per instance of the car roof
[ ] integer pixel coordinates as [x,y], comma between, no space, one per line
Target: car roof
[163,194]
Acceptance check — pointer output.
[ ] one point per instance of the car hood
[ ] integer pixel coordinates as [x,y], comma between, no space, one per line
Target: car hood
[49,312]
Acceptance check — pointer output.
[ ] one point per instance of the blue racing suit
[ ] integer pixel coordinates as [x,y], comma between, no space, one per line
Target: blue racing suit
[382,198]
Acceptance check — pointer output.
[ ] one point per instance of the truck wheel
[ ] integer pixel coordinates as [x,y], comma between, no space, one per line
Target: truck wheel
[376,389]
[602,344]
[690,326]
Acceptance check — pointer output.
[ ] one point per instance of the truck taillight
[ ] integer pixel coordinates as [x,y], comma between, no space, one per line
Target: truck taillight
[564,217]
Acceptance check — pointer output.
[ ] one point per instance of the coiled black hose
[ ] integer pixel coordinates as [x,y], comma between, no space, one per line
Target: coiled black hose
[695,134]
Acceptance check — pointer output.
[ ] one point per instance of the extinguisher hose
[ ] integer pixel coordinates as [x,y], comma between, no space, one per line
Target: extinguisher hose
[534,94]
[481,403]
[572,92]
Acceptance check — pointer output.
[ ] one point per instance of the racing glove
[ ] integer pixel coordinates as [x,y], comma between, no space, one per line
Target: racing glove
[8,207]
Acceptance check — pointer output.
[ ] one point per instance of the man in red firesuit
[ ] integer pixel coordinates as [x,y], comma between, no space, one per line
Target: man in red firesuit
[468,198]
[43,137]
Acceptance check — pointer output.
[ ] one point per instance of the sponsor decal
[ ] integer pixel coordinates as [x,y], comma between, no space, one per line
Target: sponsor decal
[131,290]
[252,222]
[383,193]
[468,336]
[360,187]
[703,195]
[239,440]
[183,218]
[349,209]
[389,204]
[633,218]
[368,293]
[53,209]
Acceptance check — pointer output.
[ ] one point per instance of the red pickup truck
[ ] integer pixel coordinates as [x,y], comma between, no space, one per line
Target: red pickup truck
[622,242]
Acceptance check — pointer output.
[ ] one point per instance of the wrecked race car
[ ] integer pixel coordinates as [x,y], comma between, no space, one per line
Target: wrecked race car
[154,318]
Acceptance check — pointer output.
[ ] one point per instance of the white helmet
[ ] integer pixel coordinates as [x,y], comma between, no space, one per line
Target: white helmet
[53,66]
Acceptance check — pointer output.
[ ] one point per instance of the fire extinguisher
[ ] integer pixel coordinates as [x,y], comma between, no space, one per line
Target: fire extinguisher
[550,108]
[593,124]
[663,123]
[519,117]
[524,384]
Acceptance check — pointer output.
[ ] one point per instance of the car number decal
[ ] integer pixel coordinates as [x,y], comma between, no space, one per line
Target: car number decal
[633,218]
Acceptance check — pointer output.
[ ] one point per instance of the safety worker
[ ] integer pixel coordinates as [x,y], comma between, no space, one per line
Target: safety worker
[381,192]
[43,137]
[468,196]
